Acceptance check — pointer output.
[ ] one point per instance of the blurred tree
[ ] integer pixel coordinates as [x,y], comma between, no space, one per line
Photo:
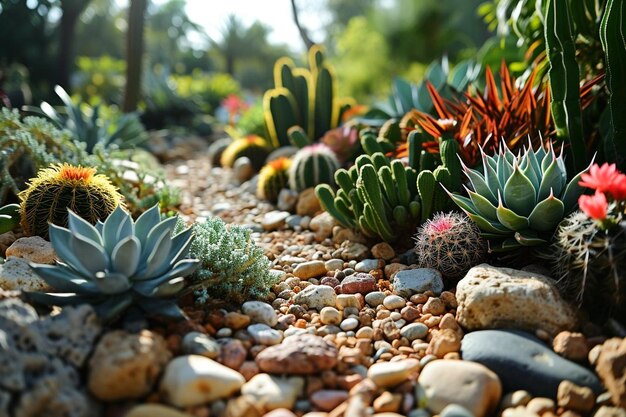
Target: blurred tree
[234,44]
[101,30]
[71,11]
[304,34]
[134,54]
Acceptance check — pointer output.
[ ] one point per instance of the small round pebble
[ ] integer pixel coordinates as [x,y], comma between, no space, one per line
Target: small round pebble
[330,315]
[349,324]
[393,302]
[414,331]
[375,298]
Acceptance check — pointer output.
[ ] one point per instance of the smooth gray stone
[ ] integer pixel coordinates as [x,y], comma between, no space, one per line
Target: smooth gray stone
[524,362]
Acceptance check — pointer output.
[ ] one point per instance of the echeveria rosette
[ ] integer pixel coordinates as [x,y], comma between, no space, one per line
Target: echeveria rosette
[118,264]
[519,199]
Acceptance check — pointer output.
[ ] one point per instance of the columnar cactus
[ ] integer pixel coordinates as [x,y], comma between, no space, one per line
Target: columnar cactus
[60,187]
[273,177]
[251,146]
[311,166]
[519,199]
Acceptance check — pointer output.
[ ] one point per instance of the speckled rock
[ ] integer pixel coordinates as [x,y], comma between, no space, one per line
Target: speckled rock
[469,384]
[16,274]
[193,380]
[383,250]
[523,362]
[491,297]
[316,296]
[32,249]
[264,334]
[272,392]
[416,281]
[298,355]
[260,312]
[125,365]
[359,283]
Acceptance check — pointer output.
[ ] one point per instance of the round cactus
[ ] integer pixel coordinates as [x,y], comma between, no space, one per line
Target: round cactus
[63,187]
[450,243]
[273,177]
[312,165]
[589,265]
[252,146]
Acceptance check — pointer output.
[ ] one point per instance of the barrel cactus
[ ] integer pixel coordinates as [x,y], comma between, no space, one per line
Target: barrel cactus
[55,189]
[118,264]
[252,146]
[519,200]
[312,165]
[273,177]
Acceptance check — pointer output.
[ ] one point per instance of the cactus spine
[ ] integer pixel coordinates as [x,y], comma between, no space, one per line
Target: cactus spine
[273,177]
[312,165]
[63,187]
[252,146]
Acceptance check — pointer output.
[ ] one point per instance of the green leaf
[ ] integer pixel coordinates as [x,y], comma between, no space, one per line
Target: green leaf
[547,214]
[483,206]
[552,182]
[528,238]
[125,256]
[510,219]
[519,193]
[487,226]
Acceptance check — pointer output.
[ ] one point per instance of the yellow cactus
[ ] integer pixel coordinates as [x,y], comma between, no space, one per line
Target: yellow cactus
[273,177]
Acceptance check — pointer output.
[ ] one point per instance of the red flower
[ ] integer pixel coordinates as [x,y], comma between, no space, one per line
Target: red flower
[599,178]
[594,206]
[617,188]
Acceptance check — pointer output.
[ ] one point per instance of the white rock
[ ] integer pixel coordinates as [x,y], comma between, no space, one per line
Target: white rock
[316,296]
[274,392]
[388,374]
[274,220]
[193,380]
[260,312]
[322,225]
[264,334]
[15,274]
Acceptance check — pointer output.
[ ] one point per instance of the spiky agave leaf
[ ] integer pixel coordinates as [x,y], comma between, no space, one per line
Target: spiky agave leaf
[118,263]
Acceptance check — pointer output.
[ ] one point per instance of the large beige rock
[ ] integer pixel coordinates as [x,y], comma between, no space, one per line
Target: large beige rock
[272,392]
[468,384]
[126,365]
[491,297]
[193,380]
[32,249]
[16,274]
[611,367]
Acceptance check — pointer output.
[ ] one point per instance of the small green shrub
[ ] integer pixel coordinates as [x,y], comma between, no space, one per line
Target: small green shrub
[232,267]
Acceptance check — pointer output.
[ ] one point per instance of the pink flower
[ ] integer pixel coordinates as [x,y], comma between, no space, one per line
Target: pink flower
[600,178]
[617,188]
[594,206]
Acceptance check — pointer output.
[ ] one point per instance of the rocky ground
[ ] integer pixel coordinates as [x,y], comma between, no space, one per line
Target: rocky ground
[353,329]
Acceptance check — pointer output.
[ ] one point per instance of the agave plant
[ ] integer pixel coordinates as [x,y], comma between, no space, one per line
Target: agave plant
[118,264]
[519,199]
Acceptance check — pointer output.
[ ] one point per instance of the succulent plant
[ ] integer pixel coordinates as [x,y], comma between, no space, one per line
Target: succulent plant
[251,146]
[9,217]
[273,177]
[62,186]
[312,165]
[589,264]
[450,243]
[519,199]
[118,264]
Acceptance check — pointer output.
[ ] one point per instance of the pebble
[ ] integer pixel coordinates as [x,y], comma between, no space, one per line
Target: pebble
[516,398]
[260,312]
[193,380]
[389,374]
[280,412]
[575,398]
[32,249]
[298,355]
[540,405]
[365,333]
[310,269]
[374,299]
[346,301]
[264,334]
[414,331]
[393,302]
[236,321]
[196,343]
[274,220]
[523,362]
[330,315]
[455,410]
[572,346]
[443,342]
[273,392]
[358,283]
[491,297]
[293,221]
[322,225]
[611,367]
[316,296]
[387,402]
[152,410]
[327,399]
[414,281]
[287,199]
[16,274]
[434,306]
[349,324]
[125,365]
[468,384]
[332,265]
[308,204]
[366,265]
[232,353]
[384,251]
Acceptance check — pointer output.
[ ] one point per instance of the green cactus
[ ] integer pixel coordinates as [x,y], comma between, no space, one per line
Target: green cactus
[252,146]
[564,79]
[60,187]
[589,264]
[519,199]
[273,177]
[613,37]
[312,165]
[9,217]
[118,264]
[302,97]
